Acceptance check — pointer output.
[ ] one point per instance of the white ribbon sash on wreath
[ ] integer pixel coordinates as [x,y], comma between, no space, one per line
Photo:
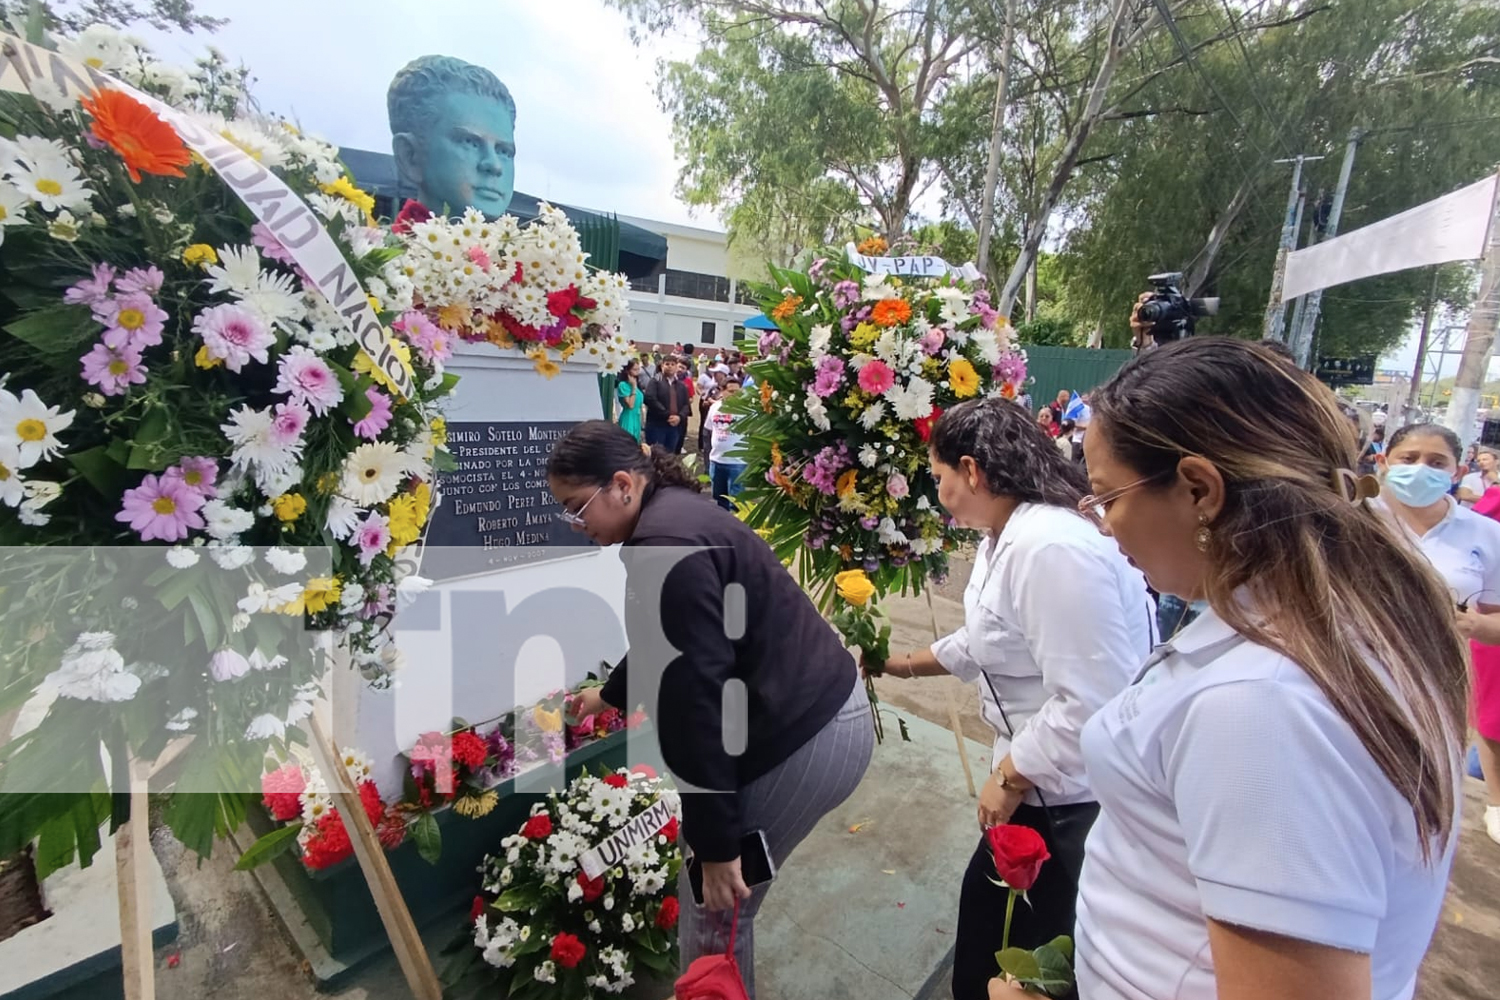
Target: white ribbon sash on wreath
[266,195]
[1445,229]
[914,267]
[611,851]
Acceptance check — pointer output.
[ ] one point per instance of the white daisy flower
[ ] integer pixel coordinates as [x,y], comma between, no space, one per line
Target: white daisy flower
[182,721]
[224,521]
[285,560]
[374,472]
[52,181]
[179,557]
[12,208]
[12,486]
[31,426]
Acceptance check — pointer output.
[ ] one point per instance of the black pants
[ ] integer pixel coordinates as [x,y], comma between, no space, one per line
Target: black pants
[1054,897]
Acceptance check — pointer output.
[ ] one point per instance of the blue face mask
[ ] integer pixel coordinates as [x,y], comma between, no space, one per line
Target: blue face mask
[1418,485]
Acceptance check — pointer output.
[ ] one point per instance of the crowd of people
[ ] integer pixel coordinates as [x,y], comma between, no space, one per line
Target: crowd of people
[1260,802]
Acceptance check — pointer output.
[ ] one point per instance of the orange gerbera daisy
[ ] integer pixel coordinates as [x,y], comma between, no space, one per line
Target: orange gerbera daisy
[765,396]
[890,312]
[873,247]
[786,308]
[145,142]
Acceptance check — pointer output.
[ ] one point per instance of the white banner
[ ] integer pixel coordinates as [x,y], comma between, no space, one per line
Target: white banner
[918,267]
[1450,228]
[267,197]
[611,852]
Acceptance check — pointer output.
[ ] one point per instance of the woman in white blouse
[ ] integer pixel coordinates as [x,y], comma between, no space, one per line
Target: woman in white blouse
[1464,547]
[1055,620]
[1280,787]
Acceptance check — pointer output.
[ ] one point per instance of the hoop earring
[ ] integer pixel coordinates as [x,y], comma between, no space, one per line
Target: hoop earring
[1203,536]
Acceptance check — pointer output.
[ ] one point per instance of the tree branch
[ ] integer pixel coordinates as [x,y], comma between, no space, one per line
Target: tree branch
[1115,116]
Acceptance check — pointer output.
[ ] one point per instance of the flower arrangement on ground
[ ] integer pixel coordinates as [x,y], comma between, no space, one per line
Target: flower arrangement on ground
[297,794]
[1019,853]
[173,378]
[835,439]
[545,929]
[527,288]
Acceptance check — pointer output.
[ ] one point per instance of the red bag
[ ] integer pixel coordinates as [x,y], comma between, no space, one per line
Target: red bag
[714,977]
[1489,504]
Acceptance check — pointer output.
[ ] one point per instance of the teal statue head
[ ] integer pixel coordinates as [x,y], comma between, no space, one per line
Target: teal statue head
[453,131]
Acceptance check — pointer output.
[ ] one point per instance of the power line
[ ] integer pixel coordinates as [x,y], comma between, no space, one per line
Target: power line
[1255,81]
[1192,61]
[1433,125]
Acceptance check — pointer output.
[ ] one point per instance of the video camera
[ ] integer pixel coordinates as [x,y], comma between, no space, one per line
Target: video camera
[1171,313]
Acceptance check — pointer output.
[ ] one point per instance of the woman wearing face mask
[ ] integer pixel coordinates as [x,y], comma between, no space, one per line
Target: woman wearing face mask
[1464,547]
[1044,662]
[1280,788]
[708,602]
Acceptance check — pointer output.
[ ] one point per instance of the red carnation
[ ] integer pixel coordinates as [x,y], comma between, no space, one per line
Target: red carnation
[670,830]
[369,797]
[519,276]
[477,910]
[666,917]
[568,951]
[392,829]
[560,303]
[329,843]
[1019,852]
[585,303]
[469,750]
[412,212]
[282,790]
[537,827]
[593,888]
[924,424]
[616,780]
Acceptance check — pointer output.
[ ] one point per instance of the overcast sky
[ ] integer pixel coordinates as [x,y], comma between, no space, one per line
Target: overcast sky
[589,130]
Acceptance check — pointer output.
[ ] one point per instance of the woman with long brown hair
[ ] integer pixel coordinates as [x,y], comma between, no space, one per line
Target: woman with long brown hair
[1280,787]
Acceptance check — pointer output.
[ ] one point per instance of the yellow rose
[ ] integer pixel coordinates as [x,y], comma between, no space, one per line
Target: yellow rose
[855,587]
[289,506]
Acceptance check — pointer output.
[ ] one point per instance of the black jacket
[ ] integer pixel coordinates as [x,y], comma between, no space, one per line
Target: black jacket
[659,401]
[707,601]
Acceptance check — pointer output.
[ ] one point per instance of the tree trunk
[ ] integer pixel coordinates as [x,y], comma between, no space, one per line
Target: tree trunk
[1093,110]
[20,895]
[992,168]
[1199,272]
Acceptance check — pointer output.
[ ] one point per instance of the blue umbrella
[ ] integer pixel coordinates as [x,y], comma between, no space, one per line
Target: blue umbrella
[760,321]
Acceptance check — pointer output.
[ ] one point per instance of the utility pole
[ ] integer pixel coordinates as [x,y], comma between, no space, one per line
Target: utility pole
[1479,338]
[1276,308]
[1301,302]
[1416,372]
[992,168]
[1301,341]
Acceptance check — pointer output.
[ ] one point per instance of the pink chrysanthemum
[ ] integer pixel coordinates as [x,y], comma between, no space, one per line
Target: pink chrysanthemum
[269,246]
[876,377]
[198,474]
[91,291]
[478,255]
[372,536]
[113,371]
[133,320]
[146,280]
[379,417]
[290,421]
[430,340]
[307,378]
[234,335]
[162,509]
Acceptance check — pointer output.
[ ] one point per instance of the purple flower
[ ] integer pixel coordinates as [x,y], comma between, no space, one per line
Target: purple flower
[869,523]
[133,320]
[199,474]
[146,280]
[430,340]
[932,342]
[113,371]
[91,291]
[823,471]
[372,536]
[266,242]
[768,342]
[871,564]
[379,417]
[307,379]
[845,294]
[816,271]
[896,486]
[1011,368]
[830,376]
[162,509]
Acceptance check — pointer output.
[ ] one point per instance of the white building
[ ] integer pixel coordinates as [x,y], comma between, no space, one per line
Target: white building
[697,299]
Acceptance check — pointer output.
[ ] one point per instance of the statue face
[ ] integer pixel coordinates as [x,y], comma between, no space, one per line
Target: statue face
[470,156]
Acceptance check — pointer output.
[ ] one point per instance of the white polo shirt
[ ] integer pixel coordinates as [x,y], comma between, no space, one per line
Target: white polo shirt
[1056,620]
[1230,788]
[1464,547]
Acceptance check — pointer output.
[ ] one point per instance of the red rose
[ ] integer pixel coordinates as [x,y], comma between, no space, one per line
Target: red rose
[469,750]
[369,797]
[392,829]
[412,212]
[645,771]
[568,951]
[329,843]
[616,780]
[593,888]
[670,830]
[1019,852]
[537,827]
[666,917]
[561,302]
[282,790]
[924,424]
[477,910]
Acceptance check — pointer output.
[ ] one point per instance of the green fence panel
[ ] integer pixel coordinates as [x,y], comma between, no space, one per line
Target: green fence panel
[1077,369]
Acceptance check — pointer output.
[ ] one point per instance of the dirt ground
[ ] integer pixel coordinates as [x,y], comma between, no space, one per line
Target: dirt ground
[1463,962]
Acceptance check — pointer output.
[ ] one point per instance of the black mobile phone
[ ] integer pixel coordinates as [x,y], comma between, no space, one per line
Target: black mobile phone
[756,865]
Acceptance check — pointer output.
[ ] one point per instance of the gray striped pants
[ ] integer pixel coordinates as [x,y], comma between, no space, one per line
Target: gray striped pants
[786,803]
